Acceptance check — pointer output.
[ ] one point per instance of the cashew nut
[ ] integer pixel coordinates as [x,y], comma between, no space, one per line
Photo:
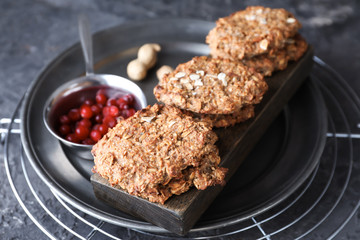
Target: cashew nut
[136,70]
[163,70]
[146,59]
[148,54]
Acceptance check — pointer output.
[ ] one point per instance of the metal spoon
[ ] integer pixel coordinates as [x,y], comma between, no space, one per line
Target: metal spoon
[86,44]
[108,79]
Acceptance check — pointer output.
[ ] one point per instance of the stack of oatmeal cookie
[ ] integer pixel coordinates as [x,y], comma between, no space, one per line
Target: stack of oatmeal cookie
[262,38]
[245,46]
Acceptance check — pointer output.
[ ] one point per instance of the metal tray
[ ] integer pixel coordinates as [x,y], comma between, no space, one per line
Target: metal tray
[281,161]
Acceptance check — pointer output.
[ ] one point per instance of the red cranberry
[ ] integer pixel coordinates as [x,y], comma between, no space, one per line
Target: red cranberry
[128,98]
[113,111]
[96,109]
[106,111]
[102,91]
[99,118]
[103,129]
[72,138]
[88,141]
[96,127]
[111,102]
[131,112]
[88,102]
[82,132]
[101,98]
[128,112]
[95,135]
[74,114]
[85,111]
[120,101]
[123,106]
[109,121]
[64,129]
[64,119]
[85,122]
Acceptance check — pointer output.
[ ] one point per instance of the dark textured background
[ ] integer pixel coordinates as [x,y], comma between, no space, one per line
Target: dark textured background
[35,32]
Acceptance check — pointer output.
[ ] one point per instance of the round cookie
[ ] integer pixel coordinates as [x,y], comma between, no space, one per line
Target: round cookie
[211,86]
[159,152]
[253,31]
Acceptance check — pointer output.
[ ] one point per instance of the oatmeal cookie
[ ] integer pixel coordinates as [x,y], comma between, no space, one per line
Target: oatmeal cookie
[159,152]
[278,59]
[225,120]
[211,86]
[253,31]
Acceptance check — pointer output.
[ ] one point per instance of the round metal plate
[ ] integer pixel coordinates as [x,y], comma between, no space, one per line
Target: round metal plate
[282,160]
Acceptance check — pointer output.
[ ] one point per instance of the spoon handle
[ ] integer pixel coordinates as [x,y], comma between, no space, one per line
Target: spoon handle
[86,43]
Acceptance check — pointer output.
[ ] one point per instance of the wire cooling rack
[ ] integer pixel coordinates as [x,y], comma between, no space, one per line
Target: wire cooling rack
[319,209]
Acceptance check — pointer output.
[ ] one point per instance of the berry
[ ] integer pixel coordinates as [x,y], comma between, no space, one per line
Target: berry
[88,141]
[125,113]
[128,98]
[82,132]
[101,98]
[74,115]
[102,91]
[85,111]
[99,118]
[95,135]
[84,122]
[131,112]
[96,109]
[89,102]
[64,119]
[64,129]
[106,111]
[103,129]
[111,102]
[109,121]
[72,138]
[123,105]
[120,101]
[96,127]
[113,111]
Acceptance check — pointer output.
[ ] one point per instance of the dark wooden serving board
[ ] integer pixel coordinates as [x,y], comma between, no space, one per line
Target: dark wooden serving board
[180,213]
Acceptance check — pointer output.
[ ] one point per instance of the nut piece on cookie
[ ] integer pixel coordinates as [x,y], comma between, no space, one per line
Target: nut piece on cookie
[211,86]
[159,152]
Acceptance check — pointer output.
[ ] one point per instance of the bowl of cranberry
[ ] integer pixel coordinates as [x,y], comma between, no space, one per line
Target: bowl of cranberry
[80,112]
